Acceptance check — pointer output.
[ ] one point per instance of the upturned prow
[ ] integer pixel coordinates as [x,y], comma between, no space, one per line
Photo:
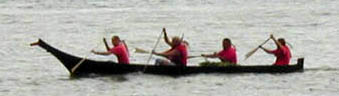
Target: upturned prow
[35,43]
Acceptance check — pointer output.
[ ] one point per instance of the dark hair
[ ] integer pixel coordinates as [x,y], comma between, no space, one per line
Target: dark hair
[116,37]
[227,40]
[184,41]
[282,41]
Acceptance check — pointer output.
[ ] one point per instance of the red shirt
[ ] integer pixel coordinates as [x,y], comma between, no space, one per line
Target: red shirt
[283,56]
[182,57]
[229,55]
[121,53]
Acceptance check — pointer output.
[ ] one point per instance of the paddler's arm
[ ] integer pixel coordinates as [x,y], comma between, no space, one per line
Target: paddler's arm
[166,37]
[214,55]
[167,51]
[166,54]
[266,50]
[159,54]
[101,53]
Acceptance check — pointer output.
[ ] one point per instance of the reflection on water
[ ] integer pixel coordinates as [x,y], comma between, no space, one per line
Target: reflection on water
[107,78]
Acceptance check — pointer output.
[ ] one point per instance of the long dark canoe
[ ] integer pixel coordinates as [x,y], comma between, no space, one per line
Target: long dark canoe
[109,67]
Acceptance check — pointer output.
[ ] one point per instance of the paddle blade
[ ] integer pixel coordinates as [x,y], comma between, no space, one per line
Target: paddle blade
[249,54]
[138,50]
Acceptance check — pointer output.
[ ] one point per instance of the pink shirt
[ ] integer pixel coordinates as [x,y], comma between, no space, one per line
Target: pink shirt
[121,53]
[229,55]
[182,58]
[283,56]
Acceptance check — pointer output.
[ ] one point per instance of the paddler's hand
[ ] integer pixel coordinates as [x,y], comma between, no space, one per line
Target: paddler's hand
[164,29]
[93,51]
[271,36]
[153,52]
[260,46]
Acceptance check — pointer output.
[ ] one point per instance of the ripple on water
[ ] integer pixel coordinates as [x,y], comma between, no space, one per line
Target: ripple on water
[34,83]
[100,4]
[113,78]
[5,90]
[8,19]
[2,53]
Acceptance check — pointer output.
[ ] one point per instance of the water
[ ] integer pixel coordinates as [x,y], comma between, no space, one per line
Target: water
[77,26]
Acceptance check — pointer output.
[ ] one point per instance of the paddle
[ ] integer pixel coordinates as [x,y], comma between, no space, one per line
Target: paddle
[106,45]
[81,61]
[254,50]
[78,64]
[139,50]
[142,51]
[155,46]
[190,57]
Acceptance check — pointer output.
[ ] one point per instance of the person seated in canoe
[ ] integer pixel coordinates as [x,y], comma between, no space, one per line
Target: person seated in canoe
[168,42]
[227,56]
[119,50]
[177,55]
[282,53]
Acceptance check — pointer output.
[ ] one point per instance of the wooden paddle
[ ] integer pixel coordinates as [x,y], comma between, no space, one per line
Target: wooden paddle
[78,64]
[155,46]
[106,45]
[190,57]
[142,51]
[254,50]
[139,50]
[83,59]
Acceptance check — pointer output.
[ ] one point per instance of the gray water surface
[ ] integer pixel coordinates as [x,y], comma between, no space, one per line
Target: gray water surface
[77,26]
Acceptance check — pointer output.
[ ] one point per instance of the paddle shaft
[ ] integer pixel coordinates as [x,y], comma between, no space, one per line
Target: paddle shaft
[81,61]
[106,45]
[190,57]
[78,64]
[155,46]
[253,51]
[265,42]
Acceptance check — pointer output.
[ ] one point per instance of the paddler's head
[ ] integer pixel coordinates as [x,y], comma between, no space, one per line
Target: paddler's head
[226,43]
[176,41]
[282,41]
[116,40]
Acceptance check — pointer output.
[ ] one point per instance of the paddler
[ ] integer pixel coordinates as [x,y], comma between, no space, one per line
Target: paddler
[227,55]
[168,42]
[176,55]
[282,53]
[119,50]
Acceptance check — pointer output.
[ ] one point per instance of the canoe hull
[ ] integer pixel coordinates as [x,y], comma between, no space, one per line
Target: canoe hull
[109,67]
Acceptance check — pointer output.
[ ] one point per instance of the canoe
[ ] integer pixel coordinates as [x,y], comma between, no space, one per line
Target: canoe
[110,67]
